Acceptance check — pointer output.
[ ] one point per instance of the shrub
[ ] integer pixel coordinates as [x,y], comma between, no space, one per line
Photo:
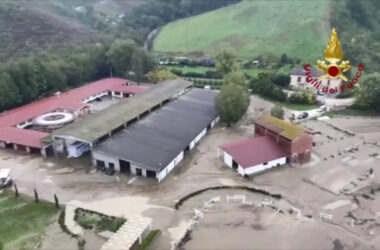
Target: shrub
[304,97]
[194,74]
[277,111]
[177,72]
[213,74]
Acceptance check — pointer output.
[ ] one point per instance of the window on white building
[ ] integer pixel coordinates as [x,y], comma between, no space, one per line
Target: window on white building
[299,79]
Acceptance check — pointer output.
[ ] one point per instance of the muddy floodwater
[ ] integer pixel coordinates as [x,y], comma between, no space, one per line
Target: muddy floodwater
[235,225]
[56,239]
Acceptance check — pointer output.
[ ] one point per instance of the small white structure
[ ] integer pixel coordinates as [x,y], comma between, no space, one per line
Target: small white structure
[77,149]
[298,80]
[253,155]
[236,198]
[325,217]
[134,230]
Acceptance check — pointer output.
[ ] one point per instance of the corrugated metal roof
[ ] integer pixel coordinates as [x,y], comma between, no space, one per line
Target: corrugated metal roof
[284,128]
[253,151]
[96,125]
[155,140]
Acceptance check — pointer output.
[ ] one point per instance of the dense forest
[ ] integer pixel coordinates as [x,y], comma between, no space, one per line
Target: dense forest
[43,71]
[358,23]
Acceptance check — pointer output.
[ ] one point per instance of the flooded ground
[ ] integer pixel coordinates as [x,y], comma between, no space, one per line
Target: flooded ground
[56,239]
[313,188]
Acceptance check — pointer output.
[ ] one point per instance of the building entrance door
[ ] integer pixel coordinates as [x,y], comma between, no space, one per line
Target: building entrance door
[138,172]
[125,166]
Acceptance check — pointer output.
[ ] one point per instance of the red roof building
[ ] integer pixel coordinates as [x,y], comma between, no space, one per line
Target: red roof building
[253,151]
[75,100]
[276,143]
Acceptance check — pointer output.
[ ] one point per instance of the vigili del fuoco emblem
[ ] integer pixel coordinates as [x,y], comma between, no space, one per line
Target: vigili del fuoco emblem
[333,54]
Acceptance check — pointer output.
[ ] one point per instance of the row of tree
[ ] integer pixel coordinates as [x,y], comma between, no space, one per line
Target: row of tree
[234,98]
[26,79]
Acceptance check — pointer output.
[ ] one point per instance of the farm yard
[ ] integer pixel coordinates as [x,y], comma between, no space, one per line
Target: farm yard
[203,169]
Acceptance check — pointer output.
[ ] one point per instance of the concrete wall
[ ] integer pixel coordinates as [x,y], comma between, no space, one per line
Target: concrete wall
[161,175]
[107,160]
[91,98]
[261,167]
[227,159]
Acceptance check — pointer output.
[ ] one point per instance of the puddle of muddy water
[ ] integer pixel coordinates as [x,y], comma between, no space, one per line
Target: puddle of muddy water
[56,239]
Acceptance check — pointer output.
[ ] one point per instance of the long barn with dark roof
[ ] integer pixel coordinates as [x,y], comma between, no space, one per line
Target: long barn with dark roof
[153,146]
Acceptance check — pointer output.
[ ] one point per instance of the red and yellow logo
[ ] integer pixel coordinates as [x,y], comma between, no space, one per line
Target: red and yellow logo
[333,54]
[333,68]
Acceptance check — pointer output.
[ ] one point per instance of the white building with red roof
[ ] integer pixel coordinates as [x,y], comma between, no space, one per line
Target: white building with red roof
[254,155]
[18,128]
[276,142]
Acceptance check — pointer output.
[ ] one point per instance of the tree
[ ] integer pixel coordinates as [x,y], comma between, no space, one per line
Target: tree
[236,77]
[263,86]
[120,54]
[137,62]
[226,61]
[277,111]
[36,196]
[56,201]
[281,80]
[16,190]
[9,92]
[232,103]
[284,59]
[367,95]
[157,76]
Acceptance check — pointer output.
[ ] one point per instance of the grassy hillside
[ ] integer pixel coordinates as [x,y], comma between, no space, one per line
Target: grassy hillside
[25,27]
[296,27]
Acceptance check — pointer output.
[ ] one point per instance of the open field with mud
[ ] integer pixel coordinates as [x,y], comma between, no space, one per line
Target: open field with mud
[336,182]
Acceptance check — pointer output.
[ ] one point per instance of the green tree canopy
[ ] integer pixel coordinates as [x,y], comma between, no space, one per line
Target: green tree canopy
[277,111]
[226,61]
[120,55]
[368,93]
[236,77]
[232,103]
[160,75]
[9,93]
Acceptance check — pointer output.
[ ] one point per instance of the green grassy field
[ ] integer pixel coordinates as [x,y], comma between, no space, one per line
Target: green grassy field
[23,221]
[297,106]
[252,72]
[351,112]
[298,28]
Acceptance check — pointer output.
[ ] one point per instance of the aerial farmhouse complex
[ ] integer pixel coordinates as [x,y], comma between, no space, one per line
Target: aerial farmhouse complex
[29,127]
[132,129]
[276,142]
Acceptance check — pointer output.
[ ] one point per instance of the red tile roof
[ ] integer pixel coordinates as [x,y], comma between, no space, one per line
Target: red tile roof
[70,100]
[254,151]
[24,137]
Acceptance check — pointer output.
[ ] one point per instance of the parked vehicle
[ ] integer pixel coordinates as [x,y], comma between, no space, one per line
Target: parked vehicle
[5,179]
[322,109]
[208,62]
[303,115]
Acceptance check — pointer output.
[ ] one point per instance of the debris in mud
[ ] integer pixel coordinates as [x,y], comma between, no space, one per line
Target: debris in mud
[338,245]
[257,227]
